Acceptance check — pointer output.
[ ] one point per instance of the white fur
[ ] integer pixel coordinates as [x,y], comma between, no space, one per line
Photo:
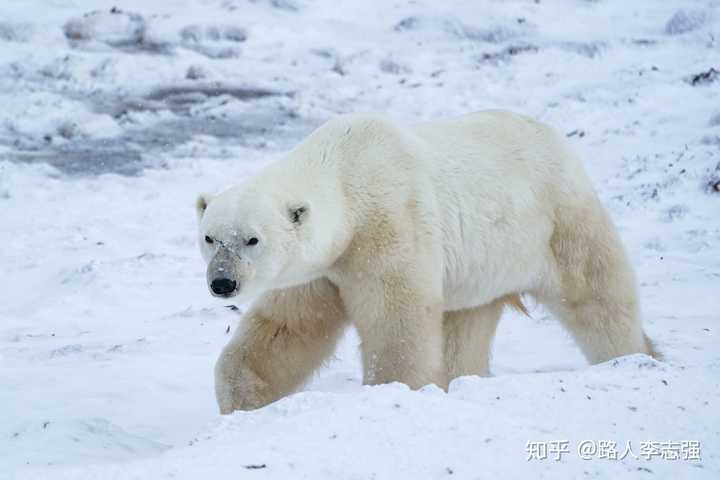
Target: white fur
[414,234]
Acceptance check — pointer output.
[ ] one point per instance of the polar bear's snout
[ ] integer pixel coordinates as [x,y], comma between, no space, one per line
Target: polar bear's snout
[223,287]
[222,274]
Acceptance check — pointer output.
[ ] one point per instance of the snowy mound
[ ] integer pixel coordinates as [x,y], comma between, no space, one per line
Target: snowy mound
[391,432]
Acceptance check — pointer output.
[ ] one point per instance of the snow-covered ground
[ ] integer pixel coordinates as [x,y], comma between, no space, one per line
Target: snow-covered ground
[112,120]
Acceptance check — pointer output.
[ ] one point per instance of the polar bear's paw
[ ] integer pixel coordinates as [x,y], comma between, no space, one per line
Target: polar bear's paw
[239,389]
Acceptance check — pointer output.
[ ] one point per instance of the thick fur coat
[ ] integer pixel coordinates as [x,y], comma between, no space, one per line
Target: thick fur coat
[417,235]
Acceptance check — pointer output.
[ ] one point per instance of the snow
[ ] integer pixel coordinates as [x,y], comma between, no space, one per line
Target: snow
[108,335]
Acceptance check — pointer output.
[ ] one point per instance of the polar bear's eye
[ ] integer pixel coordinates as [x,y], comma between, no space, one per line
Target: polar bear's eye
[297,214]
[209,239]
[252,241]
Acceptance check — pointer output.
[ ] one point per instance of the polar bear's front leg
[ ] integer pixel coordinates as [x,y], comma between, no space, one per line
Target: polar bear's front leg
[400,326]
[284,337]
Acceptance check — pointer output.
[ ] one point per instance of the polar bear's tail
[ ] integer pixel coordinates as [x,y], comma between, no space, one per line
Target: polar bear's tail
[515,302]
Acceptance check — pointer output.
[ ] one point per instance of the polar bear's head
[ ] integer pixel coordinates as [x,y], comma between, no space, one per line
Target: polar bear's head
[254,241]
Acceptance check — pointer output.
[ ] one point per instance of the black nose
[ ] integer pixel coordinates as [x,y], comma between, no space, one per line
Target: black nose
[222,286]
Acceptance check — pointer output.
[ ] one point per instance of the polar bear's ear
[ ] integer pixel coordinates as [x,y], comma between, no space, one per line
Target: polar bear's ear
[298,213]
[201,204]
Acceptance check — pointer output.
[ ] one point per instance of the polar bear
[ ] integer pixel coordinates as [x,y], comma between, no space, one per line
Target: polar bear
[417,235]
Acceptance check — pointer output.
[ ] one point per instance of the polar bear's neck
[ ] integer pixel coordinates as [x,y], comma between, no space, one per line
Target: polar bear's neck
[301,179]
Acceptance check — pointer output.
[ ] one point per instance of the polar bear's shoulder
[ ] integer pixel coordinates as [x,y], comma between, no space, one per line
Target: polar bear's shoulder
[358,125]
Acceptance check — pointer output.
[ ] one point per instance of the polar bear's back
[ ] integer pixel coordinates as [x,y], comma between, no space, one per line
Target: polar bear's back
[499,157]
[499,179]
[500,145]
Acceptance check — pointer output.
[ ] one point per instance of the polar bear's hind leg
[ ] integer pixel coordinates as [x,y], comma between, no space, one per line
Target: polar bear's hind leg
[593,292]
[469,335]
